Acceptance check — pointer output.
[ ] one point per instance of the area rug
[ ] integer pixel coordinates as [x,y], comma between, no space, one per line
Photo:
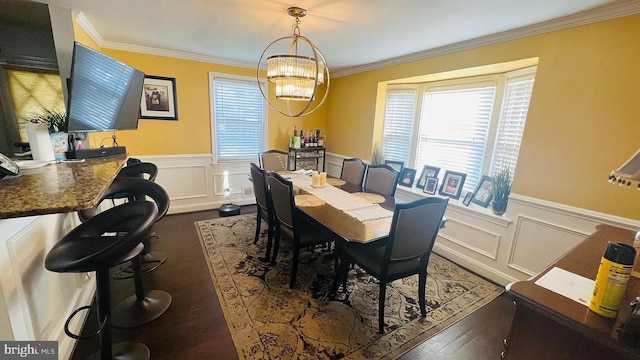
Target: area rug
[267,320]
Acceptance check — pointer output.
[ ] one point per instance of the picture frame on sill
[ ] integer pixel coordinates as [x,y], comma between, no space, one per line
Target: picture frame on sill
[482,194]
[397,166]
[407,177]
[452,184]
[427,172]
[431,185]
[467,198]
[159,100]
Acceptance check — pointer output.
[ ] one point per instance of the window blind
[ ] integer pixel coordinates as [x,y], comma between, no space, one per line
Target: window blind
[398,122]
[239,119]
[511,125]
[454,129]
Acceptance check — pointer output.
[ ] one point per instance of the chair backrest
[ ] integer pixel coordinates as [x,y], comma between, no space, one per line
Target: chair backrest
[139,169]
[260,189]
[414,228]
[353,171]
[282,197]
[274,160]
[131,188]
[381,179]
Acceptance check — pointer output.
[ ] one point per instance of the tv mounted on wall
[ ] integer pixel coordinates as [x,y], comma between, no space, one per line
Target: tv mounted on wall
[104,93]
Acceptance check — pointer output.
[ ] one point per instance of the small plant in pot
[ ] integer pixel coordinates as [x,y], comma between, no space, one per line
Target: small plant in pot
[500,191]
[377,157]
[56,121]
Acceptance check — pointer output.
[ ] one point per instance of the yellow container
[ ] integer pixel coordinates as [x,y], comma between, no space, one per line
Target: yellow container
[611,281]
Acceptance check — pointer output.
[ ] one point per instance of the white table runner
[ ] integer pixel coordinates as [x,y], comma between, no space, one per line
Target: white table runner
[352,205]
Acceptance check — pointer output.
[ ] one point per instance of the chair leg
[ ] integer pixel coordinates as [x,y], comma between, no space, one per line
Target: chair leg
[276,244]
[340,275]
[294,266]
[383,290]
[422,287]
[258,223]
[269,241]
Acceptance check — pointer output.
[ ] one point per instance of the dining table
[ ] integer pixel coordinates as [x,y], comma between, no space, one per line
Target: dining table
[345,212]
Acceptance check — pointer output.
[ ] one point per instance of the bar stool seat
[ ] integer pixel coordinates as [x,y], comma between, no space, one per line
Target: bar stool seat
[93,247]
[143,306]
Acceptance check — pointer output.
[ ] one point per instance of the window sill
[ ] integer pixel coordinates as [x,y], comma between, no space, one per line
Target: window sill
[473,210]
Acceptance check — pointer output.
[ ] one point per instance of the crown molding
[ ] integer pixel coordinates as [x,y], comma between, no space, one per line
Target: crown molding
[603,13]
[179,54]
[607,12]
[87,26]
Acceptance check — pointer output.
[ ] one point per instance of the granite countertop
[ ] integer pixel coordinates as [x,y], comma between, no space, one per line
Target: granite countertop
[59,187]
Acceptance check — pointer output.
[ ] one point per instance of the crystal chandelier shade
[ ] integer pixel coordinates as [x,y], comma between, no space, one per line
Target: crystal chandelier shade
[296,77]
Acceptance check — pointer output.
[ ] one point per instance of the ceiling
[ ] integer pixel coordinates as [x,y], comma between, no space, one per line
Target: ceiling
[350,33]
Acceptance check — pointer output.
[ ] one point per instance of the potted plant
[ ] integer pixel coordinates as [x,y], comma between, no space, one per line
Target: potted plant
[56,121]
[500,191]
[57,124]
[377,157]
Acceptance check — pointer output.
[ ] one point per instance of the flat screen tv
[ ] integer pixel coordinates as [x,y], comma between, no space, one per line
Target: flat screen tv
[104,93]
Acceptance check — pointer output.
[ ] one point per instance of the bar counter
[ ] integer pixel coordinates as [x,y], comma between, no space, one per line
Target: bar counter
[58,188]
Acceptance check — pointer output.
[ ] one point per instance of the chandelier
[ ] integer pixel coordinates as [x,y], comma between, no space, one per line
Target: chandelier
[298,74]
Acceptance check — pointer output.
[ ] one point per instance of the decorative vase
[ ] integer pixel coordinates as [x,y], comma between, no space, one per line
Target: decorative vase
[39,141]
[499,207]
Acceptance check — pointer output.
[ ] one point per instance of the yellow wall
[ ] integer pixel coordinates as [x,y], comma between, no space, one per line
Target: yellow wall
[583,121]
[191,134]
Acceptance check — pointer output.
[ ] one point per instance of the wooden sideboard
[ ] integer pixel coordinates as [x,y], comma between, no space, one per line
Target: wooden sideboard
[550,326]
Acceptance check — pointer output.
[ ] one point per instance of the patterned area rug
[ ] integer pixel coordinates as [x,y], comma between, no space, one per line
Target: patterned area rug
[267,320]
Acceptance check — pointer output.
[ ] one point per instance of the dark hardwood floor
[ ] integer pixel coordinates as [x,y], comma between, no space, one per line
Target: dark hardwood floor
[194,326]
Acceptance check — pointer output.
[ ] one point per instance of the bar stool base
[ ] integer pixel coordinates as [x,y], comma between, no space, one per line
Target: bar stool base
[126,351]
[131,313]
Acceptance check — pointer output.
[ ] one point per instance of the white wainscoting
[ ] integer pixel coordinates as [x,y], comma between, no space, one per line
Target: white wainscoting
[530,236]
[37,302]
[195,183]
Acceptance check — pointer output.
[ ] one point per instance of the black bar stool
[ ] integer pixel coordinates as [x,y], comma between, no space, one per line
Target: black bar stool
[151,259]
[93,247]
[142,307]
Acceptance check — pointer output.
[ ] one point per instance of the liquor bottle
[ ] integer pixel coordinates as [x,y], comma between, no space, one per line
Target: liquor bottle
[295,131]
[320,139]
[302,144]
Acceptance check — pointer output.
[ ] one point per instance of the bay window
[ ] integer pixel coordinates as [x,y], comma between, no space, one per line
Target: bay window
[472,125]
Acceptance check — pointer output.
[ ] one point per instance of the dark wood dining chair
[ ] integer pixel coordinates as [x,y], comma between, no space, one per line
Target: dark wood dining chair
[381,179]
[405,252]
[274,160]
[264,206]
[289,223]
[353,171]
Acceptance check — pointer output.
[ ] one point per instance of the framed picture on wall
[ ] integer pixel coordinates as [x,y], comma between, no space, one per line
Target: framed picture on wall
[427,172]
[452,184]
[159,100]
[406,177]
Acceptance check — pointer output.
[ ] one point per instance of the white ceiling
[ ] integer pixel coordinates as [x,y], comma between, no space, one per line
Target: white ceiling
[348,32]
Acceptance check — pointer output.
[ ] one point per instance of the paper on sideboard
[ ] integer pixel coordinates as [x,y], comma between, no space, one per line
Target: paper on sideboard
[568,284]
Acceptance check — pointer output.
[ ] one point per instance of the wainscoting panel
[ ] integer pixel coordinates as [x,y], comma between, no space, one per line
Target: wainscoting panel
[530,236]
[24,245]
[195,183]
[537,243]
[472,238]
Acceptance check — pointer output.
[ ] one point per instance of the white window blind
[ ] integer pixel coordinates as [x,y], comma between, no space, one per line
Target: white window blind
[454,129]
[239,119]
[511,124]
[398,122]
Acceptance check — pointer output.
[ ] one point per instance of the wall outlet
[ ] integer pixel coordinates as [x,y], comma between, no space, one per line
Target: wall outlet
[247,191]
